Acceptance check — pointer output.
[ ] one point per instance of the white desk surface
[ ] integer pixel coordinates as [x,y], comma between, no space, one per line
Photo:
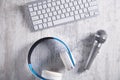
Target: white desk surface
[16,39]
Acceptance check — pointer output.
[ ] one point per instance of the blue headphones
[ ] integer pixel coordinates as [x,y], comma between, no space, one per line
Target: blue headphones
[69,58]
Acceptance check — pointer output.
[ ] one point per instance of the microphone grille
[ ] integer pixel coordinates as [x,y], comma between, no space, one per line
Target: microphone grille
[101,36]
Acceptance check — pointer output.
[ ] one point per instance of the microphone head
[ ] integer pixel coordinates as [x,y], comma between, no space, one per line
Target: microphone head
[101,36]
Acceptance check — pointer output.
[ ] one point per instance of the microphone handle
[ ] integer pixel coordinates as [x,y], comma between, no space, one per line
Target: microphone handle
[94,51]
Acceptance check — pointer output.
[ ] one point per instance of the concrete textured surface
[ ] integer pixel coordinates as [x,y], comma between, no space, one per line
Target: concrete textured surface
[16,39]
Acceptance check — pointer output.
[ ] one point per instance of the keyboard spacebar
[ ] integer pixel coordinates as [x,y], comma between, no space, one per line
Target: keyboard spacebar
[65,20]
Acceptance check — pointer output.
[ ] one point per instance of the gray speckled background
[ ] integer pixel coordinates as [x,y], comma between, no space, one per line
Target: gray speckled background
[16,39]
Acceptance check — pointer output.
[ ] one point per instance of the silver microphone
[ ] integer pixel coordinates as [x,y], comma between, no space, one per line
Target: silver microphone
[99,38]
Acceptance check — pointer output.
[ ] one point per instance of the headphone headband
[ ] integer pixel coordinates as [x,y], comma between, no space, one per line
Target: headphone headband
[33,47]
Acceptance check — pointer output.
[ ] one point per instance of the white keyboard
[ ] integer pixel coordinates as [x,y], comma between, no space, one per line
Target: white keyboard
[50,13]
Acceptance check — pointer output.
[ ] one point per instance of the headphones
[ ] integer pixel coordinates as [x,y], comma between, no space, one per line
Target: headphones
[66,57]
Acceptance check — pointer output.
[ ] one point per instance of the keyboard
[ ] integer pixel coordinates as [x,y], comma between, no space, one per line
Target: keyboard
[50,13]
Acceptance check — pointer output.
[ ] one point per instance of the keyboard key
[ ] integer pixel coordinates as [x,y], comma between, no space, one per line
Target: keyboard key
[49,18]
[30,9]
[43,11]
[84,1]
[58,2]
[61,6]
[41,16]
[53,4]
[67,0]
[92,8]
[37,22]
[77,7]
[46,15]
[80,11]
[50,14]
[75,3]
[35,18]
[39,12]
[67,14]
[54,13]
[49,0]
[85,10]
[44,20]
[62,15]
[50,24]
[86,5]
[53,18]
[48,10]
[64,10]
[68,9]
[71,13]
[40,26]
[29,5]
[49,5]
[39,3]
[36,27]
[57,7]
[34,4]
[62,1]
[59,12]
[82,15]
[60,21]
[44,2]
[33,13]
[77,17]
[44,6]
[40,7]
[93,3]
[70,4]
[58,16]
[45,25]
[76,12]
[73,8]
[86,15]
[82,6]
[66,5]
[52,9]
[35,8]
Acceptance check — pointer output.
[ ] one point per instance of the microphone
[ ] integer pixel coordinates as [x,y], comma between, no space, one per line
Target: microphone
[99,38]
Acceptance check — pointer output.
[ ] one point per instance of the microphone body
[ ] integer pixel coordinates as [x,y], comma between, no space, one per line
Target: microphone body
[99,38]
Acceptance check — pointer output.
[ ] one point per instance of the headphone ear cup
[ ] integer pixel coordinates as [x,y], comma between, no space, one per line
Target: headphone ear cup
[69,62]
[50,75]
